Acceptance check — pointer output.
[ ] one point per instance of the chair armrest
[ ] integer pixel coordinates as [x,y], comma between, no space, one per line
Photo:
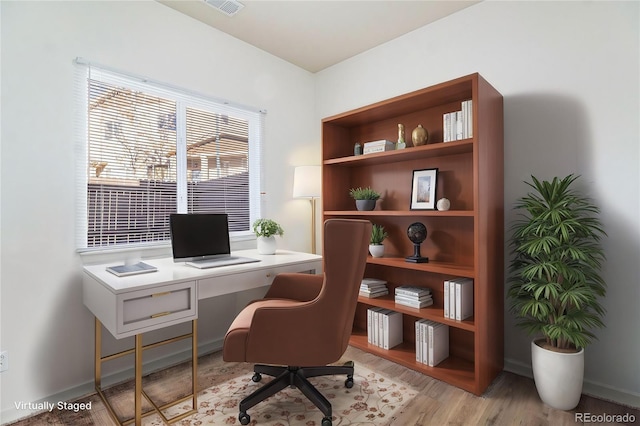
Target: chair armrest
[295,286]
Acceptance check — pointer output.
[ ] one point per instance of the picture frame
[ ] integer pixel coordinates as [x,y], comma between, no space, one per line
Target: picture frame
[423,189]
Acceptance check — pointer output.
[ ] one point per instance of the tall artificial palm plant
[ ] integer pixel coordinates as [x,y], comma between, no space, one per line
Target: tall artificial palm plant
[554,276]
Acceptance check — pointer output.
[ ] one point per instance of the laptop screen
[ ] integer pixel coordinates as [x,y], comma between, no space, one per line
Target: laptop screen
[198,236]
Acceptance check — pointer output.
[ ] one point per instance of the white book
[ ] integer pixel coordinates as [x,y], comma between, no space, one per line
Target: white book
[372,282]
[392,329]
[459,125]
[373,295]
[369,329]
[446,127]
[464,299]
[470,119]
[380,315]
[438,343]
[452,299]
[465,119]
[372,325]
[413,304]
[412,290]
[446,299]
[413,299]
[380,142]
[378,146]
[373,289]
[419,333]
[424,336]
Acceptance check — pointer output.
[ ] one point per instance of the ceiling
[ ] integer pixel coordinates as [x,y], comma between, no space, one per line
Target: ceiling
[317,34]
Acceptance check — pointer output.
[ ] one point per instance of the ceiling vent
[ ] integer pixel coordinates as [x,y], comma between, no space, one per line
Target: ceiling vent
[228,7]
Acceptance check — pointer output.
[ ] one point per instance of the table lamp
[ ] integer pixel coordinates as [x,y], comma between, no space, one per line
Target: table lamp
[307,183]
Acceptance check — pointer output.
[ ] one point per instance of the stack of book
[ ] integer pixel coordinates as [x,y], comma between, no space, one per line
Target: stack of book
[378,146]
[432,342]
[384,327]
[415,297]
[373,287]
[458,124]
[458,298]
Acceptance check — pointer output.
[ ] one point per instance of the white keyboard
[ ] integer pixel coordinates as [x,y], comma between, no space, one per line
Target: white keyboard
[226,261]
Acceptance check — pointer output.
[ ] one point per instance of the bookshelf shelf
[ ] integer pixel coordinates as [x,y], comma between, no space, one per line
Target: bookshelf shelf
[443,268]
[402,213]
[430,312]
[454,370]
[424,151]
[464,242]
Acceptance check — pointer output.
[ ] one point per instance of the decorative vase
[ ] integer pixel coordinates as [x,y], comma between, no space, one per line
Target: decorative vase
[364,205]
[267,245]
[419,136]
[558,376]
[443,204]
[376,250]
[401,143]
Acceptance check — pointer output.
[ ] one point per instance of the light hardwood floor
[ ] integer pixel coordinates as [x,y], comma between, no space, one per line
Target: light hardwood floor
[510,400]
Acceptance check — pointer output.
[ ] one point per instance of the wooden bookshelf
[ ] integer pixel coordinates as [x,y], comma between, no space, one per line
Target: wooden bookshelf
[465,241]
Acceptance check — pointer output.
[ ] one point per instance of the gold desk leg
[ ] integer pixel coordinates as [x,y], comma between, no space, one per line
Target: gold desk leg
[194,363]
[138,390]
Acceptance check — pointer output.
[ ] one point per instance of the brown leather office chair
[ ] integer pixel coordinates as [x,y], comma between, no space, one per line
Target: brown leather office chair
[304,322]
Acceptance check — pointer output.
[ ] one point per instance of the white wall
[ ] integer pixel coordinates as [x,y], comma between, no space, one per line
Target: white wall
[569,73]
[44,326]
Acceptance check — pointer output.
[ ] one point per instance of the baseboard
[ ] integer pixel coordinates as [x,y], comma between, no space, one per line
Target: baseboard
[591,388]
[12,414]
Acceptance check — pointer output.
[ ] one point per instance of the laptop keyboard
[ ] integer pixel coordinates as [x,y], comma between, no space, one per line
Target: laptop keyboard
[214,263]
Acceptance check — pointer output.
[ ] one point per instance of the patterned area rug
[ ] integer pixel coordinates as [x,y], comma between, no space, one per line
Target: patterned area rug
[373,400]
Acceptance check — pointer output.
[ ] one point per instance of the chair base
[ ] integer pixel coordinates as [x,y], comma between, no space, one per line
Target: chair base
[294,376]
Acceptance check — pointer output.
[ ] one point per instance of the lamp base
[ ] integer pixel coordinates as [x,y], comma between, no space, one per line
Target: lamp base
[414,259]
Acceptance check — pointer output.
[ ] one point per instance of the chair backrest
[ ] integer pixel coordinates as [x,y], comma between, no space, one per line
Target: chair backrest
[345,251]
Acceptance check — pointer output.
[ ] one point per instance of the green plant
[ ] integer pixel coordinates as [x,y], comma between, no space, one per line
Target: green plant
[378,234]
[363,193]
[554,276]
[266,228]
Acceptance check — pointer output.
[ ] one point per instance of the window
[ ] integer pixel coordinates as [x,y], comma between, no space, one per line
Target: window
[151,150]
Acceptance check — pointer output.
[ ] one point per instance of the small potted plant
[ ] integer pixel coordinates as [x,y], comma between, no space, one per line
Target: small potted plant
[555,284]
[378,235]
[365,197]
[266,231]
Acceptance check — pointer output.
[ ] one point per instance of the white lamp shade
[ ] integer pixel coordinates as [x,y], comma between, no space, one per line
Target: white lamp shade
[307,182]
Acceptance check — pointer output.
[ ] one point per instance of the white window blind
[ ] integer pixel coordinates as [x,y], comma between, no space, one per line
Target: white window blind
[151,150]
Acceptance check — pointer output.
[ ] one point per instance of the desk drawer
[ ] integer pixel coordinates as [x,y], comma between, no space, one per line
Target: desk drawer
[149,309]
[246,280]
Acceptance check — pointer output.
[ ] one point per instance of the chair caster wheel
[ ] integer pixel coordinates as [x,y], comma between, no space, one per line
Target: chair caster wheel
[326,421]
[349,382]
[244,418]
[256,378]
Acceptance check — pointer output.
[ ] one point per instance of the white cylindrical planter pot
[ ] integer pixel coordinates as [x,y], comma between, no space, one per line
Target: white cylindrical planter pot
[376,250]
[267,245]
[558,376]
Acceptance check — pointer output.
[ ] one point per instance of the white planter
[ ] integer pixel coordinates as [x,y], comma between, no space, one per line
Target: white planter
[376,250]
[267,245]
[558,376]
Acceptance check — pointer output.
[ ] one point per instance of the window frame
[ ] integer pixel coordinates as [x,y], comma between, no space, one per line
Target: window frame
[184,99]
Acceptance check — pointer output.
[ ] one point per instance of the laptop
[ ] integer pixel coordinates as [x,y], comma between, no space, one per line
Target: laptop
[201,240]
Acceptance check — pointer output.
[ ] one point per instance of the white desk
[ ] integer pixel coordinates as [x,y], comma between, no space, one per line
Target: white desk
[133,305]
